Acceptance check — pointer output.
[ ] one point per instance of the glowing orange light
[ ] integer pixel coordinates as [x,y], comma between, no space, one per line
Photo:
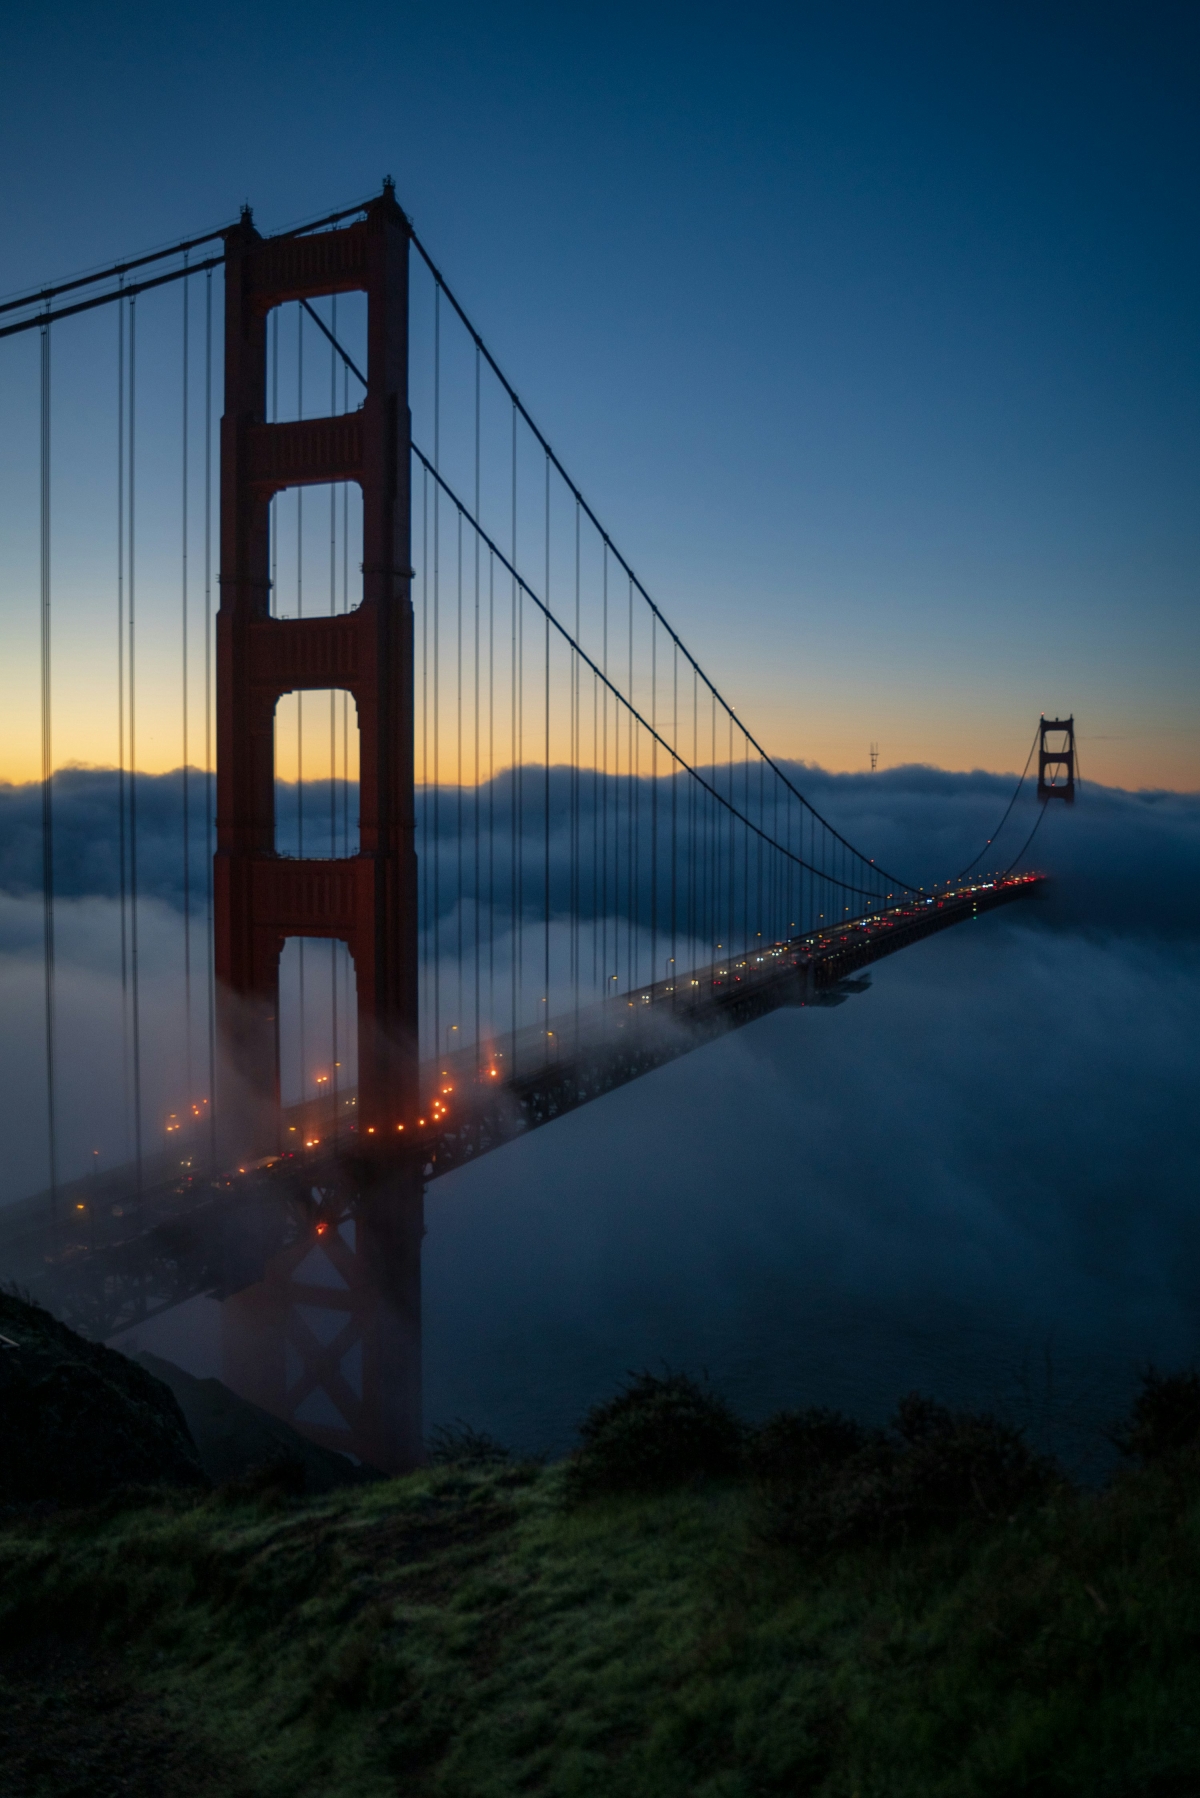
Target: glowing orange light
[370,1129]
[322,1227]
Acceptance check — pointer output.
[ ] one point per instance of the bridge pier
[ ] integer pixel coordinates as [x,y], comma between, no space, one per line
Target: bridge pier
[329,1339]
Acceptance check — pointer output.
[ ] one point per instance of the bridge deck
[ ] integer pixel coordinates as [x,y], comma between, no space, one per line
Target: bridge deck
[106,1257]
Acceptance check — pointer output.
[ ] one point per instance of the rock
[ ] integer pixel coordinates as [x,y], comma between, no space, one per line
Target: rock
[77,1420]
[235,1438]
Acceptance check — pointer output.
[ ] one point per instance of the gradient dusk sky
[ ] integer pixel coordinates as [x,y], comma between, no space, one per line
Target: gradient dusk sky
[869,329]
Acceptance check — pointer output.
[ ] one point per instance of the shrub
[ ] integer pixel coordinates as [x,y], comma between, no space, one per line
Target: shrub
[797,1447]
[273,1483]
[955,1462]
[658,1431]
[458,1445]
[934,1468]
[1164,1417]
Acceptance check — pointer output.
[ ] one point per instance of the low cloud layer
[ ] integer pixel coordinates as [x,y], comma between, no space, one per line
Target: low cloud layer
[1125,862]
[979,1177]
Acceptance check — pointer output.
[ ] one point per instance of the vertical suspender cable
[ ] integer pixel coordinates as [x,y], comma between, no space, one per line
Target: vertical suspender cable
[208,697]
[520,755]
[693,935]
[491,793]
[459,769]
[275,503]
[47,786]
[334,1063]
[187,835]
[517,793]
[546,787]
[631,908]
[300,703]
[437,838]
[653,799]
[674,814]
[605,785]
[575,736]
[345,694]
[425,865]
[595,831]
[133,842]
[475,892]
[122,827]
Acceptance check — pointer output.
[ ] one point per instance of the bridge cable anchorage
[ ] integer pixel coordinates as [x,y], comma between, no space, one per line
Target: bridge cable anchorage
[728,807]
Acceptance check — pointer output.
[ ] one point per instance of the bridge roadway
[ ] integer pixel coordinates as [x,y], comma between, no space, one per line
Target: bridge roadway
[104,1258]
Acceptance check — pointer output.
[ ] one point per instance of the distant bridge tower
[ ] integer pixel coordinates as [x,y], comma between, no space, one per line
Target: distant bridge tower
[1057,756]
[368,901]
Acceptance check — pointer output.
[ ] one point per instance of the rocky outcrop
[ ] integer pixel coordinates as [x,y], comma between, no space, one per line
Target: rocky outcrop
[78,1421]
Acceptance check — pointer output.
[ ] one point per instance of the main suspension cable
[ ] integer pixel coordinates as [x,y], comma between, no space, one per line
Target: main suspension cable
[1028,840]
[633,713]
[1007,809]
[548,450]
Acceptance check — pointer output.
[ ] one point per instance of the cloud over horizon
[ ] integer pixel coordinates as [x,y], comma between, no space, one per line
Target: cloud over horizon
[1123,861]
[979,1177]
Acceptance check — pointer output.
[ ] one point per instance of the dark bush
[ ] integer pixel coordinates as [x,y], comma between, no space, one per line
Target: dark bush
[797,1447]
[954,1462]
[274,1483]
[657,1432]
[933,1469]
[1164,1417]
[458,1445]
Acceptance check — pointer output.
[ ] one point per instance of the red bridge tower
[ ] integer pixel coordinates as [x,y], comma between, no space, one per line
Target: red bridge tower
[369,900]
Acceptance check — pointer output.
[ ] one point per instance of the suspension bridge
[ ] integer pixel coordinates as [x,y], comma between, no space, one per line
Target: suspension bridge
[467,836]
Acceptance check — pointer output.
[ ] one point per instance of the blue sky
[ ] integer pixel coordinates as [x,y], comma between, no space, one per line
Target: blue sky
[869,330]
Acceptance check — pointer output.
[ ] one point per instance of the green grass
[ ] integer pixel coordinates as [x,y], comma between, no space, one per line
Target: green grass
[464,1633]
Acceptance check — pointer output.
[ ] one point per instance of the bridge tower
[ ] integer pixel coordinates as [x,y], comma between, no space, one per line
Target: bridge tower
[368,901]
[1058,757]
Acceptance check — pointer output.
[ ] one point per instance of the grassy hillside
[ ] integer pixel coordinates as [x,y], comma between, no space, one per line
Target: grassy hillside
[477,1630]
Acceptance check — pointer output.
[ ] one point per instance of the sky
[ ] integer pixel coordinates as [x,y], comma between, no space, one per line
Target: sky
[869,332]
